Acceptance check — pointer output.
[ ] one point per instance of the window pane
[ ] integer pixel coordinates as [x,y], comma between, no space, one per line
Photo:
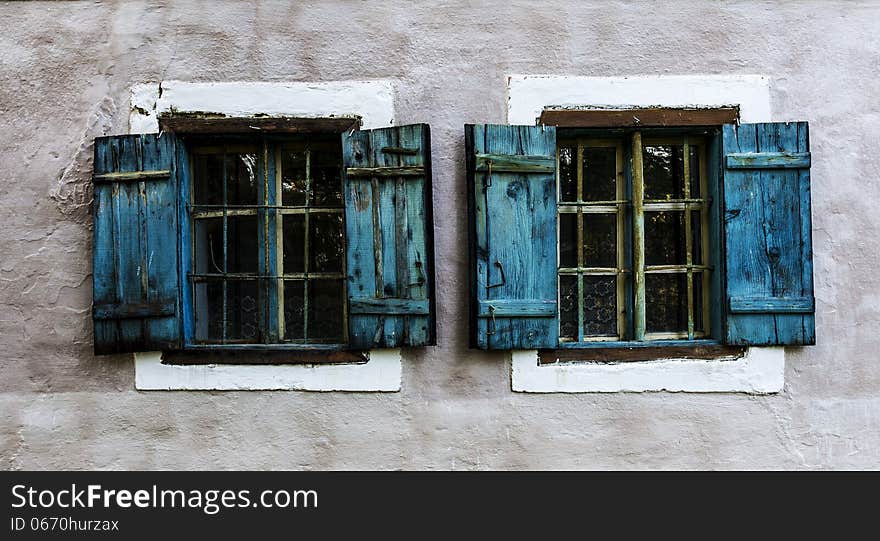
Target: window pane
[326,299]
[567,174]
[243,248]
[241,179]
[568,240]
[208,245]
[294,310]
[694,170]
[294,230]
[600,174]
[242,311]
[600,306]
[568,307]
[600,240]
[698,302]
[665,241]
[326,242]
[663,171]
[326,179]
[293,178]
[696,238]
[208,170]
[666,302]
[208,311]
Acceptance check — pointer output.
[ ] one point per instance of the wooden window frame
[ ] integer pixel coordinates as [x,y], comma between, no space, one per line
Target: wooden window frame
[270,213]
[631,312]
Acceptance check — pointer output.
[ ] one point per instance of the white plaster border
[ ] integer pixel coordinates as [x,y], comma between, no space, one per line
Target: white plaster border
[373,101]
[380,374]
[761,370]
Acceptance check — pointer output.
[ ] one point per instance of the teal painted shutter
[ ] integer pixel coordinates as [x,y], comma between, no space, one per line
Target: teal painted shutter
[512,208]
[767,230]
[136,301]
[389,237]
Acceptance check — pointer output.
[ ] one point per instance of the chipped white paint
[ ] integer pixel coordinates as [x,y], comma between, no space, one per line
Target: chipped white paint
[381,373]
[528,95]
[760,371]
[373,101]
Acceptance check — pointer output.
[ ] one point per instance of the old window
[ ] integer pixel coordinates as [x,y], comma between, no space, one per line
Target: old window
[637,234]
[600,297]
[304,238]
[269,249]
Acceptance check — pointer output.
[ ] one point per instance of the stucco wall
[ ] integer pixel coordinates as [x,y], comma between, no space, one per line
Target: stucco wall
[66,70]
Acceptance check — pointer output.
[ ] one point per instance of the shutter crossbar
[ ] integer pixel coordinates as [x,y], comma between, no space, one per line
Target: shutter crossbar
[515,164]
[132,176]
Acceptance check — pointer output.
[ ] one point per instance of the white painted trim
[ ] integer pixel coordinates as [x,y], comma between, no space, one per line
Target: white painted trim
[762,370]
[381,373]
[528,95]
[373,101]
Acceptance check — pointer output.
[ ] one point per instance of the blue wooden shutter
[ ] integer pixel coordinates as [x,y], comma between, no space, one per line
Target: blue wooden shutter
[389,237]
[136,301]
[769,257]
[512,208]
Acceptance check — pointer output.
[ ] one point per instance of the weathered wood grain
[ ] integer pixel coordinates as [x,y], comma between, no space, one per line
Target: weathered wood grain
[767,236]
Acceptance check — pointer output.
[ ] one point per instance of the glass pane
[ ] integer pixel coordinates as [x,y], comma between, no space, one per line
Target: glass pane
[243,248]
[208,311]
[326,242]
[293,178]
[208,171]
[568,307]
[567,240]
[666,302]
[600,240]
[665,241]
[698,302]
[326,300]
[326,178]
[294,309]
[696,238]
[600,306]
[208,245]
[241,179]
[600,174]
[567,174]
[663,170]
[294,232]
[242,311]
[695,171]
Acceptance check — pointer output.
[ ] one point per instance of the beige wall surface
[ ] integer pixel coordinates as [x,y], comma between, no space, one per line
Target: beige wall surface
[66,69]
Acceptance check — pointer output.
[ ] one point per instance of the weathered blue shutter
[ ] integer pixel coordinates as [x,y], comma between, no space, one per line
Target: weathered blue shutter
[389,237]
[512,208]
[136,301]
[769,257]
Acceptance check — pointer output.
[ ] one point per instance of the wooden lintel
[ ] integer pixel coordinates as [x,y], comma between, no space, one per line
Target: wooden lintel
[195,124]
[661,117]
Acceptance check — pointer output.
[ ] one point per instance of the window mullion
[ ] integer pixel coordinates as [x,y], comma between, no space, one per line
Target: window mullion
[638,190]
[225,245]
[306,245]
[580,239]
[688,239]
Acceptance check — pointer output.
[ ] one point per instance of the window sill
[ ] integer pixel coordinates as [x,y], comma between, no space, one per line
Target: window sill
[380,373]
[256,354]
[761,370]
[640,351]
